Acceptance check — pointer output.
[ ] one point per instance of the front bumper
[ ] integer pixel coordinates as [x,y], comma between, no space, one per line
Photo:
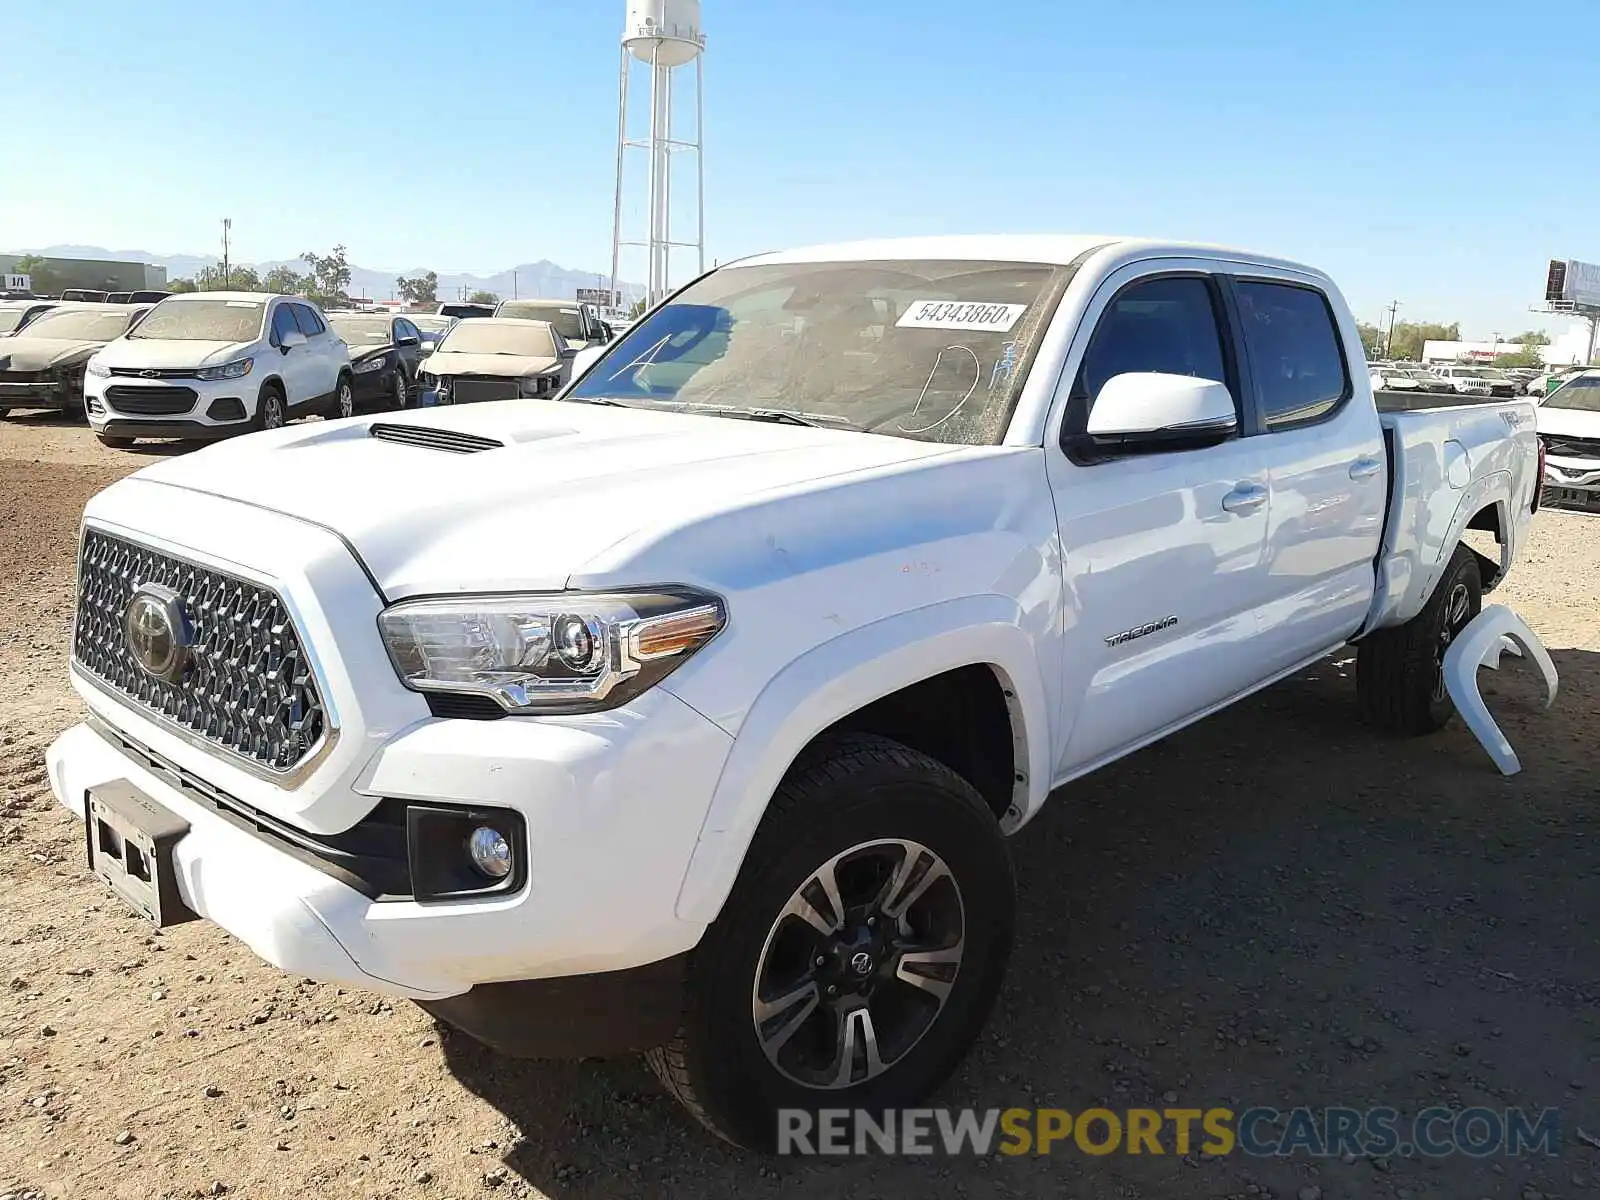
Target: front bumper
[189,431]
[1572,481]
[121,406]
[55,394]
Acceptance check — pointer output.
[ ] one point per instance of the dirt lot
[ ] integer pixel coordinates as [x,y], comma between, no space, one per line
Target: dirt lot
[1277,908]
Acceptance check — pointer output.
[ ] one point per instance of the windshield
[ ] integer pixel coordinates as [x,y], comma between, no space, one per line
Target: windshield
[1581,394]
[361,331]
[933,350]
[531,339]
[68,325]
[202,321]
[431,324]
[565,317]
[1471,373]
[10,318]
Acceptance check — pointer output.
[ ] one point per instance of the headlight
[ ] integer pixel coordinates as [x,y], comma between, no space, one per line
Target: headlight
[99,370]
[428,380]
[368,365]
[549,653]
[234,370]
[537,385]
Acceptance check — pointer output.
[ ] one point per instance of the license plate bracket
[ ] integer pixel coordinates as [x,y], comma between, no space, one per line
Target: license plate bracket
[129,838]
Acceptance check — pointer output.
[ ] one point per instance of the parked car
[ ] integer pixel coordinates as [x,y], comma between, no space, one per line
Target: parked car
[207,365]
[691,712]
[1406,379]
[1475,381]
[496,358]
[384,354]
[42,367]
[84,296]
[1569,426]
[578,323]
[136,297]
[1549,383]
[15,314]
[461,310]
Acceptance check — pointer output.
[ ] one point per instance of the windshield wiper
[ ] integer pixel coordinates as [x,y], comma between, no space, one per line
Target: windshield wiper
[782,416]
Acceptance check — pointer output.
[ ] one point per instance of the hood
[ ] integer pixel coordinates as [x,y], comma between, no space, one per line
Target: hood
[366,350]
[159,352]
[1565,422]
[576,489]
[38,354]
[506,366]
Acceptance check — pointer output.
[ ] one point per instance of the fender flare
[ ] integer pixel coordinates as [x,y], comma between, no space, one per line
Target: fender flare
[840,677]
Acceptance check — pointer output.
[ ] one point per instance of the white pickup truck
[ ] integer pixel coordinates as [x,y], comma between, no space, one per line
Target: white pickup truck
[690,711]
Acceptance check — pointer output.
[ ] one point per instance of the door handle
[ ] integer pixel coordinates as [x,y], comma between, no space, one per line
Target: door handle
[1365,467]
[1245,498]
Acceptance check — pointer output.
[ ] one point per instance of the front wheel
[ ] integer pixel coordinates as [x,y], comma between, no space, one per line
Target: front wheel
[1400,671]
[401,398]
[270,410]
[859,952]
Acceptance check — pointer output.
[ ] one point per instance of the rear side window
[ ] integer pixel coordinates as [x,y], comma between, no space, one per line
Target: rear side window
[1166,324]
[310,323]
[1293,343]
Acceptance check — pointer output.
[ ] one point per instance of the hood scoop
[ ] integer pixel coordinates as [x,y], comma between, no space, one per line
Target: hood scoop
[449,440]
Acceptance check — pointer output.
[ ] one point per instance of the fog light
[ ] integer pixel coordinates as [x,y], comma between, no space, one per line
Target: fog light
[490,852]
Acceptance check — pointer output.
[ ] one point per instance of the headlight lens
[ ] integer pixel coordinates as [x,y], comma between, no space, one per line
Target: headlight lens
[98,370]
[538,385]
[571,652]
[237,369]
[368,365]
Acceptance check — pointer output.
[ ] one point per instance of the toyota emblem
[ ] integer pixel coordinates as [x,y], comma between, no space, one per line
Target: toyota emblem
[157,632]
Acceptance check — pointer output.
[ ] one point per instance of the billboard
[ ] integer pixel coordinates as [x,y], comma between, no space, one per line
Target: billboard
[600,297]
[1569,281]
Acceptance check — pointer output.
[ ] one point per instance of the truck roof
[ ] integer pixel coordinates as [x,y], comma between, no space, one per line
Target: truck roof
[1062,248]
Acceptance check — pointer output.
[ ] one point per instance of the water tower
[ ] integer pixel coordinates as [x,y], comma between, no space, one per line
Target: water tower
[665,36]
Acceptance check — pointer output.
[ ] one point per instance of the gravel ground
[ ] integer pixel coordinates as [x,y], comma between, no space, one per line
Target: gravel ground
[1274,908]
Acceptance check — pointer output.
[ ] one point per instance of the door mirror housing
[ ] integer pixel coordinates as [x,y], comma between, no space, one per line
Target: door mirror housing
[290,339]
[586,358]
[1144,412]
[409,341]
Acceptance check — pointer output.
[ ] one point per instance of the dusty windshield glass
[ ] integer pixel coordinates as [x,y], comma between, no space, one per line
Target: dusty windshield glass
[1581,395]
[934,350]
[530,339]
[361,331]
[67,325]
[202,321]
[10,318]
[565,317]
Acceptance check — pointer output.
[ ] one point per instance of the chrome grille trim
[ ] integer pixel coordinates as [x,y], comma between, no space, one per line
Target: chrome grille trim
[255,693]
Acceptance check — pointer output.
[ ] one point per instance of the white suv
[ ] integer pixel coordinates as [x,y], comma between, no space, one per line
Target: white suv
[207,365]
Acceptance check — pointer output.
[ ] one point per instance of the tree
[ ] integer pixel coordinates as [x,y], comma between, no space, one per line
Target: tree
[483,297]
[1406,339]
[1371,338]
[1528,356]
[1532,337]
[330,276]
[285,281]
[424,289]
[239,279]
[637,310]
[182,285]
[37,268]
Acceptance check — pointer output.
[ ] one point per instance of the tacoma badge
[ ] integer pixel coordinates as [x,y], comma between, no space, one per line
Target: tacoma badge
[1128,635]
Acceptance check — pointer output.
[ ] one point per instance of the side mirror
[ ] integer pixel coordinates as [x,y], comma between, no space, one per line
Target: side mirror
[409,341]
[1149,411]
[290,340]
[586,358]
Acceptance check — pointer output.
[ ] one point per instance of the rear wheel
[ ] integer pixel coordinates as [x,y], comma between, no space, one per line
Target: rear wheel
[859,952]
[344,400]
[1400,671]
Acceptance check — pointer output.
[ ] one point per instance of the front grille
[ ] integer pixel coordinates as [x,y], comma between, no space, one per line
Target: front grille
[1567,447]
[433,439]
[470,389]
[248,686]
[151,401]
[154,372]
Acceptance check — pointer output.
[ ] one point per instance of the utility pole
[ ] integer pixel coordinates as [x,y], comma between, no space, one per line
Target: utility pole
[513,283]
[1388,342]
[227,226]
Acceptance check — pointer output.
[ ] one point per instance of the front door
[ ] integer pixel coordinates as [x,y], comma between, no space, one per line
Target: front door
[1162,551]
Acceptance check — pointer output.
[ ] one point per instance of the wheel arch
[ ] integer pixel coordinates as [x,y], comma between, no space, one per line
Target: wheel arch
[876,679]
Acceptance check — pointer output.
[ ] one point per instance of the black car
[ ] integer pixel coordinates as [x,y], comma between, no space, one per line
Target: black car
[384,352]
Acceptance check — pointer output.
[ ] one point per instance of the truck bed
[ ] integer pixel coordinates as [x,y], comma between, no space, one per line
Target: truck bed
[1389,401]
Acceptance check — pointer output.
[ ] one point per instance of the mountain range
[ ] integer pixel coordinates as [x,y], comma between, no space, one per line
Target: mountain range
[543,278]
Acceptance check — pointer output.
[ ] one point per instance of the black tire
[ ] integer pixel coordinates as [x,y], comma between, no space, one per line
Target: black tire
[115,443]
[1399,681]
[343,403]
[272,411]
[400,394]
[848,797]
[4,413]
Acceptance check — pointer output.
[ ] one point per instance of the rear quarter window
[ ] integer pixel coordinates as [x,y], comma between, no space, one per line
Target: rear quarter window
[1295,352]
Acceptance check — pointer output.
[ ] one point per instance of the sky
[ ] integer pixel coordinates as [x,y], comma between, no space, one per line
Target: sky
[1434,153]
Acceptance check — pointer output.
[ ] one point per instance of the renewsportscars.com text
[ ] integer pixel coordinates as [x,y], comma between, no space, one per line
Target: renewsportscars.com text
[1259,1132]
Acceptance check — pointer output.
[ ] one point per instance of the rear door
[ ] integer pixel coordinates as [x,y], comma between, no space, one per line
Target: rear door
[1162,550]
[328,353]
[294,362]
[1327,465]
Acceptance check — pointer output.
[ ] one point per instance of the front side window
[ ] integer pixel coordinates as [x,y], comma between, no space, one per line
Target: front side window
[1294,351]
[283,323]
[934,350]
[202,321]
[1167,325]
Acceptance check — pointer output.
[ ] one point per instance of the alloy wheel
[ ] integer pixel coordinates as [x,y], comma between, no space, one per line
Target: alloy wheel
[1457,608]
